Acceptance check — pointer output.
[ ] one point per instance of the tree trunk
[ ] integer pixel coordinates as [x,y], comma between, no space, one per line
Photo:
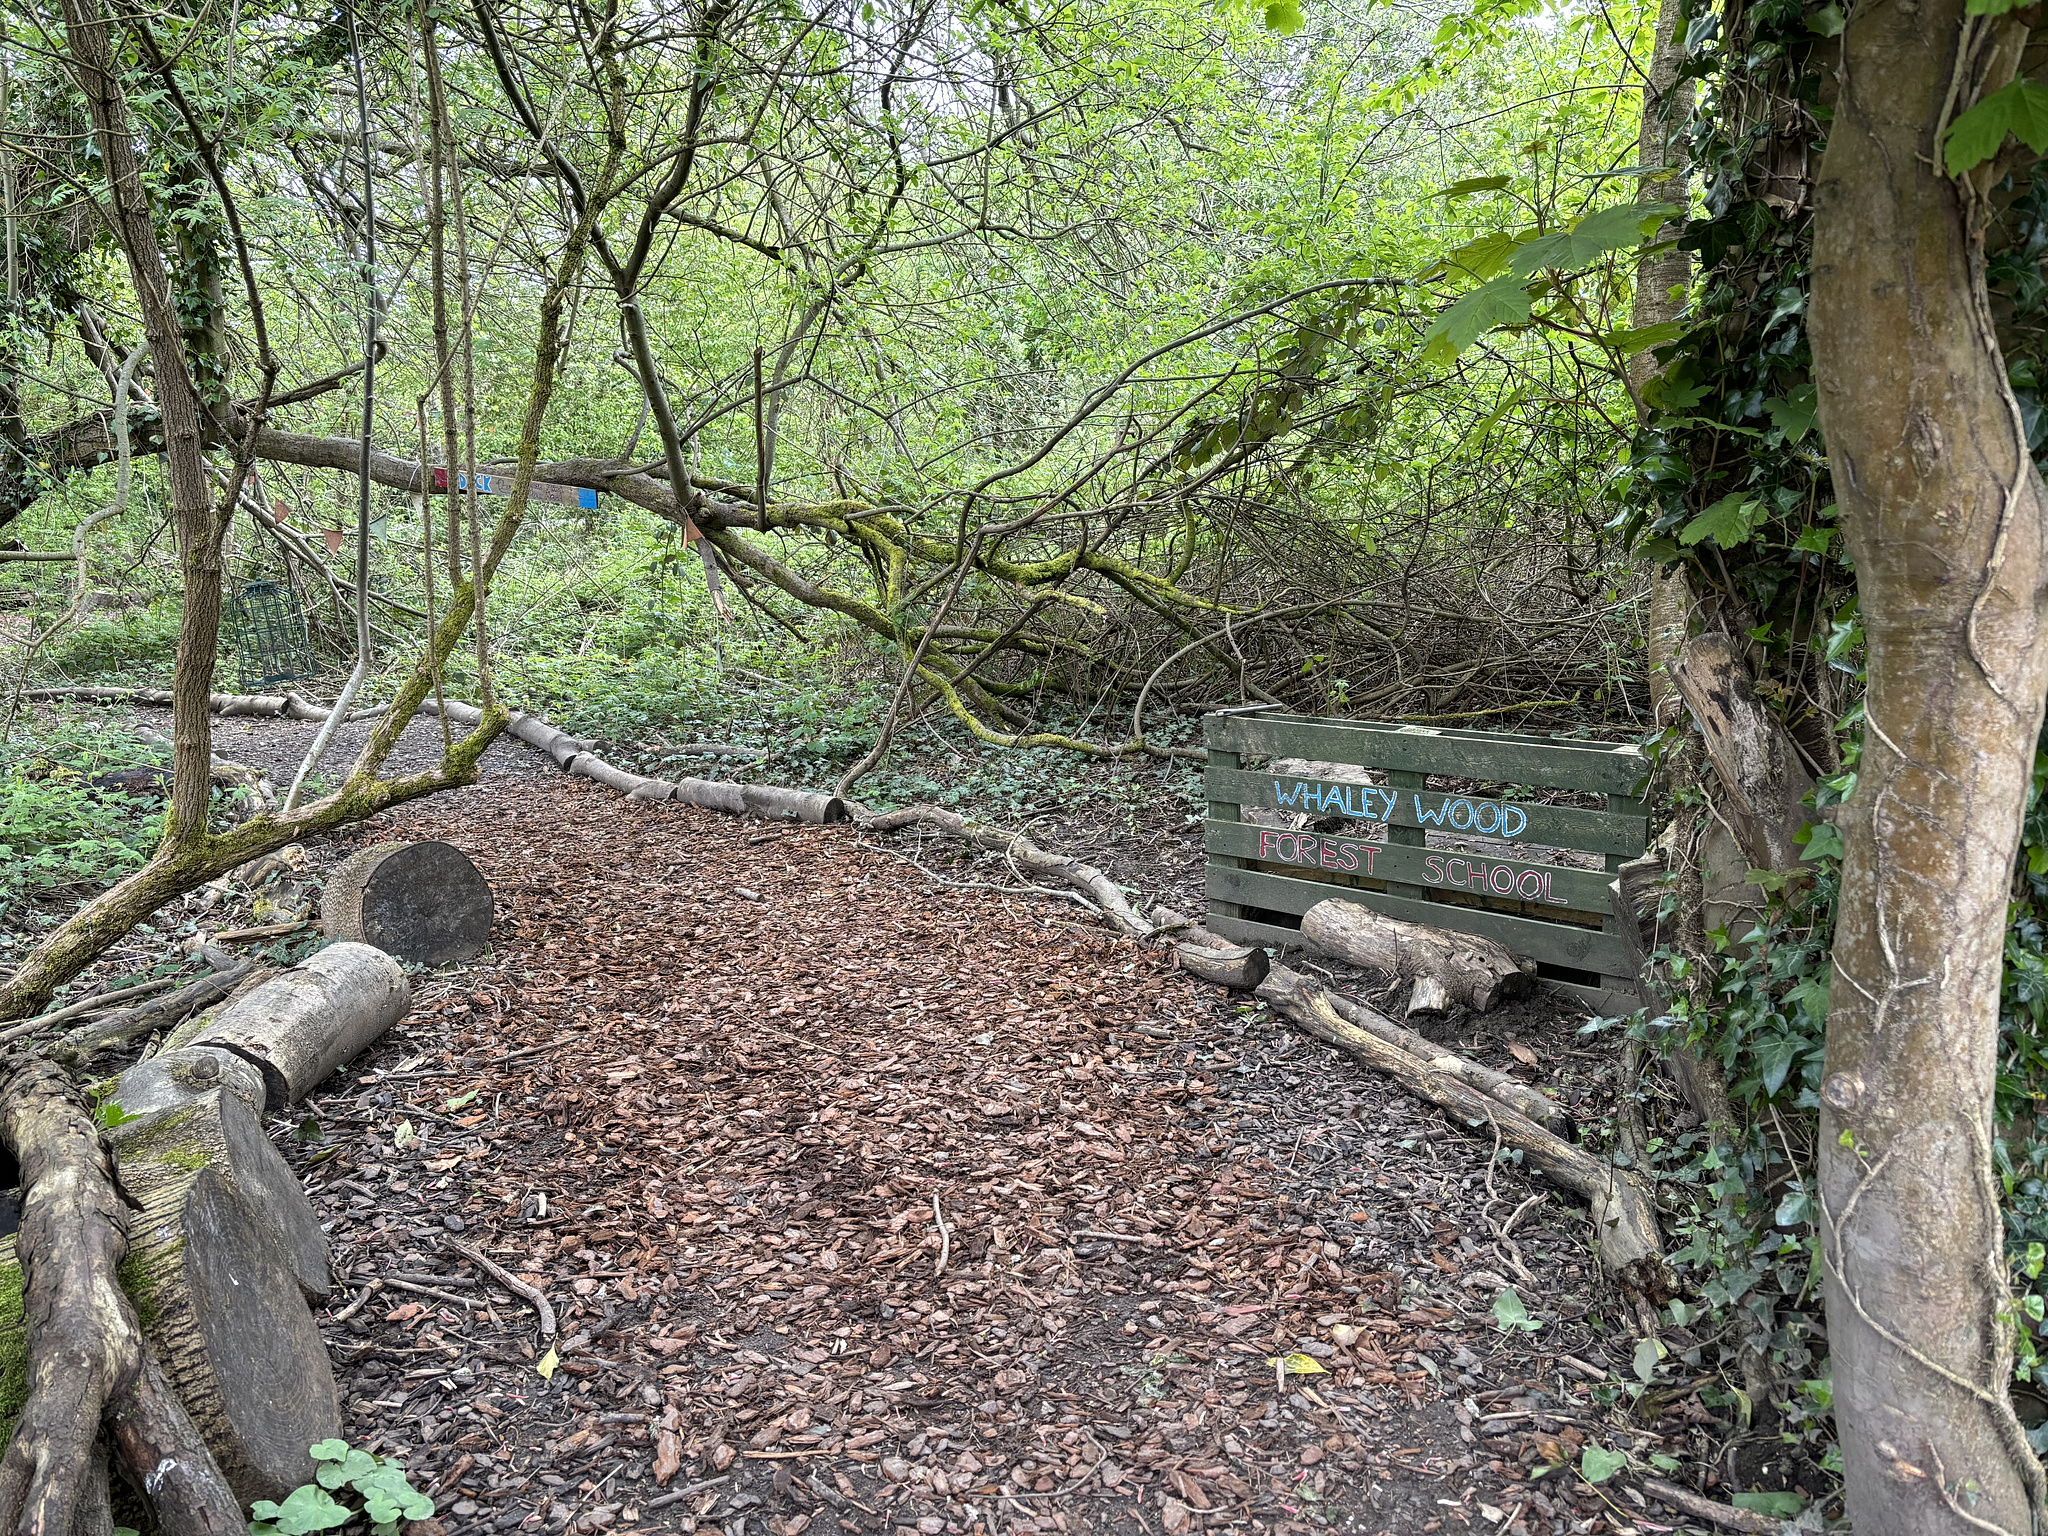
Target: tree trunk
[1474,972]
[1944,517]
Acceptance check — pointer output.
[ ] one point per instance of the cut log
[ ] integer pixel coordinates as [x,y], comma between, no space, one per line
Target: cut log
[422,902]
[1517,1096]
[86,1358]
[1240,967]
[1624,1221]
[303,1023]
[1428,997]
[1476,973]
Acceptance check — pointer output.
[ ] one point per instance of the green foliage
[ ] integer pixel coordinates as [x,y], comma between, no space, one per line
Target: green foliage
[1597,1463]
[1512,1314]
[2019,111]
[59,833]
[387,1498]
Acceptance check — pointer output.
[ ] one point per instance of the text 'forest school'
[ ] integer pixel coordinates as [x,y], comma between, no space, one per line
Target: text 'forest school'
[1345,855]
[1369,802]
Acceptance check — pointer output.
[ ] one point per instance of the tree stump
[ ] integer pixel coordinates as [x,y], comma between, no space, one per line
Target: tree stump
[422,902]
[1458,967]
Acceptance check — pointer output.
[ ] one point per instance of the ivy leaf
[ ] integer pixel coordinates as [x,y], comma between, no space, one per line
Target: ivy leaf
[1647,1354]
[1475,184]
[1814,541]
[308,1508]
[1503,301]
[1992,7]
[2021,109]
[1597,1463]
[1728,522]
[1828,21]
[1825,843]
[1511,1314]
[1782,1505]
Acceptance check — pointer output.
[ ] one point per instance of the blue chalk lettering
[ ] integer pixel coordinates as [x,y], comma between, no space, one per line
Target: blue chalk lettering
[1430,818]
[1521,820]
[1290,795]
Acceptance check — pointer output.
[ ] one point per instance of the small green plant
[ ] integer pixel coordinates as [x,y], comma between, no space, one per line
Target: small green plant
[388,1498]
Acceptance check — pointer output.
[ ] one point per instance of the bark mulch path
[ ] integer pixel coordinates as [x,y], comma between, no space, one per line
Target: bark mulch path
[871,1204]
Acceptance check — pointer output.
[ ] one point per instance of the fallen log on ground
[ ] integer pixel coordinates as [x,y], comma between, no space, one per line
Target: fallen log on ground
[1624,1221]
[301,1025]
[87,1363]
[1026,855]
[226,1249]
[88,1040]
[1209,956]
[423,902]
[1518,1096]
[1445,968]
[573,754]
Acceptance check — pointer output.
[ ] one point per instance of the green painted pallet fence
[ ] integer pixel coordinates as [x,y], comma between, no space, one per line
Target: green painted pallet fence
[1260,880]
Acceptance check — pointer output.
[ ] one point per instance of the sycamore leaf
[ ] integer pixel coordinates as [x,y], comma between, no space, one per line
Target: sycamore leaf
[1728,522]
[1284,17]
[1475,184]
[1485,257]
[1622,227]
[1503,301]
[2021,109]
[1629,343]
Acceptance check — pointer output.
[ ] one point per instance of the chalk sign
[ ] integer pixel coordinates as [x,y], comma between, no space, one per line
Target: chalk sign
[1560,914]
[1370,802]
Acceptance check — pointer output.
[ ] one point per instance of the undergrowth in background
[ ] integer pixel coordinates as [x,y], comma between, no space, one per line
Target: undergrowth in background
[61,836]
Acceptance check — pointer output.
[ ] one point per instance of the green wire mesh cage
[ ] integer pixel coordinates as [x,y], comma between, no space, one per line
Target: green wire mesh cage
[269,635]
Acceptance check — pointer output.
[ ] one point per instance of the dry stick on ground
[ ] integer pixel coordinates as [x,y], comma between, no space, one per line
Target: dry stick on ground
[1517,1096]
[1100,889]
[1727,1516]
[1624,1222]
[511,1283]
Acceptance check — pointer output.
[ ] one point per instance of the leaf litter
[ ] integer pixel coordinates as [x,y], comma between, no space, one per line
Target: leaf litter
[868,1204]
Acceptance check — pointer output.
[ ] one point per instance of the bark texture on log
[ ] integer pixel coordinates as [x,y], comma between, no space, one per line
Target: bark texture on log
[1476,973]
[87,1040]
[1239,967]
[1624,1221]
[1516,1095]
[302,1024]
[422,902]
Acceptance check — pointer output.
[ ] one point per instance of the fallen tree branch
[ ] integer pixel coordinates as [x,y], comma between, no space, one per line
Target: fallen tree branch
[1099,888]
[1624,1221]
[88,1040]
[1700,1507]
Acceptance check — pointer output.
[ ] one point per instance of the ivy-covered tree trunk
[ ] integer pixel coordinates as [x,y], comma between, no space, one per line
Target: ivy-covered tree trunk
[1945,518]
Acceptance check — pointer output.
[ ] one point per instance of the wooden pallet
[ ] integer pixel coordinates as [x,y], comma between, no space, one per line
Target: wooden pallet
[1261,880]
